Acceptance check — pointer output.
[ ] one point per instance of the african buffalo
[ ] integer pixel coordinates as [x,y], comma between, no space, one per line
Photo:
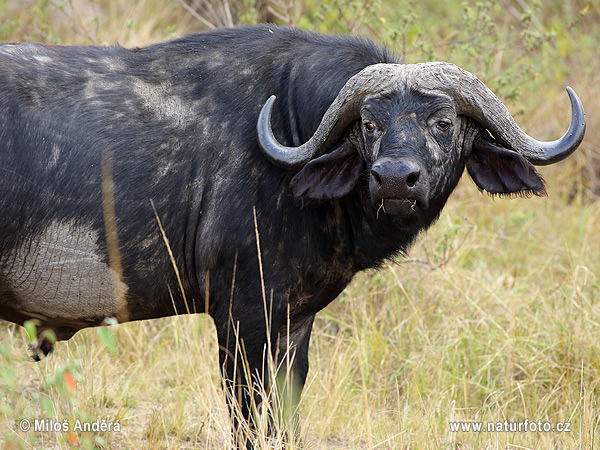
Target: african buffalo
[270,205]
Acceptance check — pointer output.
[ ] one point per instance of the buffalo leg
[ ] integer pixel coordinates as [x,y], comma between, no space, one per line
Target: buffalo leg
[247,345]
[292,364]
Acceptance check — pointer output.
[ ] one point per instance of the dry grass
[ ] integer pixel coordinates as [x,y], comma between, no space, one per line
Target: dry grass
[495,316]
[507,329]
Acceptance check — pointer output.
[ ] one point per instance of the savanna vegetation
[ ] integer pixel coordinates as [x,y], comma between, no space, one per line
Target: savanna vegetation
[494,316]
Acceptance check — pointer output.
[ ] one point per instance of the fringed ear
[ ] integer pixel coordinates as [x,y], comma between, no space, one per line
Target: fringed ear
[328,177]
[500,171]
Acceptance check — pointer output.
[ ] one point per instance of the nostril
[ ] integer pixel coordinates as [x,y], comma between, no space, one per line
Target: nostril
[412,179]
[376,177]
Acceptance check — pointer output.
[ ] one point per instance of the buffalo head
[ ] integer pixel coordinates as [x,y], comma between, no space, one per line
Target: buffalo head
[411,129]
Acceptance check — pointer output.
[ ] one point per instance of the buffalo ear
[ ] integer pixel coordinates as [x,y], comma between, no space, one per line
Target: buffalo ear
[500,171]
[328,177]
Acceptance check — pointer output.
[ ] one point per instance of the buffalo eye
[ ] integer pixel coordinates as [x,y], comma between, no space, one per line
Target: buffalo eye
[370,127]
[443,124]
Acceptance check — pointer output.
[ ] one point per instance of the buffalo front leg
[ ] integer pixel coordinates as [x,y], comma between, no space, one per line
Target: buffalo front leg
[247,347]
[292,369]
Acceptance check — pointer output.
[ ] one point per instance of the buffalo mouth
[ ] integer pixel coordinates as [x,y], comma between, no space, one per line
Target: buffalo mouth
[399,206]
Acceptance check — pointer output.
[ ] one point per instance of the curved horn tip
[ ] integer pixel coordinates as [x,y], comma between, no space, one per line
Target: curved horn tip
[272,99]
[265,133]
[278,154]
[265,111]
[576,105]
[553,152]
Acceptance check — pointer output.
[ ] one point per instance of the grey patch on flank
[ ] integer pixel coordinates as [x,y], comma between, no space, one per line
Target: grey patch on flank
[21,50]
[112,64]
[164,105]
[42,59]
[27,52]
[150,241]
[59,274]
[215,62]
[7,49]
[204,125]
[95,85]
[54,156]
[165,169]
